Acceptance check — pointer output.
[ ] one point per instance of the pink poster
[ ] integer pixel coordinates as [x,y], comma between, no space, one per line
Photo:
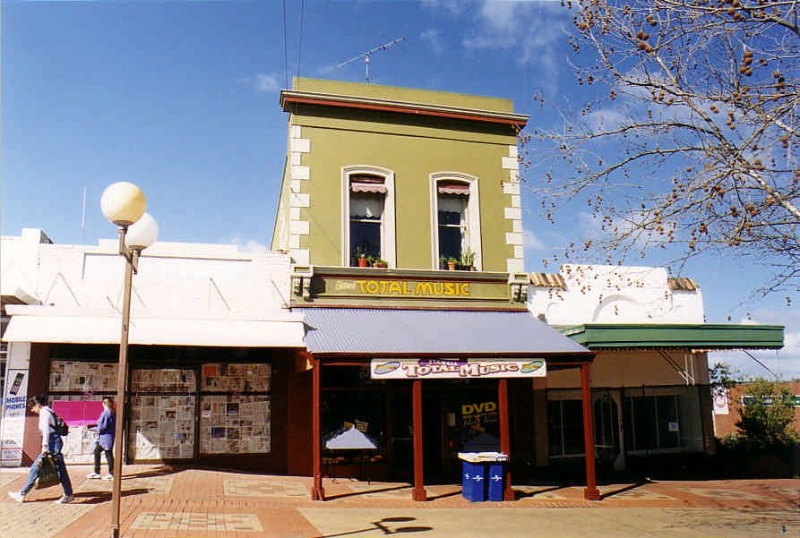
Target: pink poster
[78,413]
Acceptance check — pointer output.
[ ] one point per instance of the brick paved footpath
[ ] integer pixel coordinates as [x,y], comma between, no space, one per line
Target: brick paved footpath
[162,502]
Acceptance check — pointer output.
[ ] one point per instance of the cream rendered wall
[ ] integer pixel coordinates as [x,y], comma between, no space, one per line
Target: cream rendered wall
[615,294]
[19,260]
[634,369]
[183,280]
[622,294]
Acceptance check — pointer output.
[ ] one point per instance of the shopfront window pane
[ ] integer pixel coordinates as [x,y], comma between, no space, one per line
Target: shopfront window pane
[235,408]
[667,417]
[162,422]
[653,422]
[472,422]
[565,421]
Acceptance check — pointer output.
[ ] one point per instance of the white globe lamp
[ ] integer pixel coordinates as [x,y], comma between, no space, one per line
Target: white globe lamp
[123,203]
[142,233]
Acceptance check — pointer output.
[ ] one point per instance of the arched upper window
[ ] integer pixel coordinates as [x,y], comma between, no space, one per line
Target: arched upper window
[368,204]
[455,220]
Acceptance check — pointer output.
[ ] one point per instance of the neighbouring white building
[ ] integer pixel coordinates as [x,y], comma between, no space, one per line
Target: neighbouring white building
[201,314]
[650,384]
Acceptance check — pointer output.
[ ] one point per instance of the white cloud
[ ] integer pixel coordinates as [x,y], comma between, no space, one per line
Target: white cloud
[248,245]
[498,26]
[533,31]
[605,119]
[267,83]
[502,16]
[785,362]
[452,7]
[531,241]
[262,83]
[433,37]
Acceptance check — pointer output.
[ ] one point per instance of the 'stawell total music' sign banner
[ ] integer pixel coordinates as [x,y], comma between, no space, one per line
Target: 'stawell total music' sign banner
[456,368]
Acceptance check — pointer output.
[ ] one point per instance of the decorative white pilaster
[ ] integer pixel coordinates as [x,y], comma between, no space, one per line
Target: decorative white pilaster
[297,199]
[513,211]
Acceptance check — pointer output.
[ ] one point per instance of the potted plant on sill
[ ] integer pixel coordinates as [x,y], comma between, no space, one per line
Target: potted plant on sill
[451,264]
[468,259]
[380,264]
[361,256]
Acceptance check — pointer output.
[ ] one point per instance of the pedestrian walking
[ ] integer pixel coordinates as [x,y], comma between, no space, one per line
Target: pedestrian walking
[106,427]
[52,445]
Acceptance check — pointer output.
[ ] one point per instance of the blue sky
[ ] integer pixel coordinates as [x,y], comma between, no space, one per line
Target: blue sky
[181,97]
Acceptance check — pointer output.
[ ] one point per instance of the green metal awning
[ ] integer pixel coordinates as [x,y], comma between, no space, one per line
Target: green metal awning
[599,336]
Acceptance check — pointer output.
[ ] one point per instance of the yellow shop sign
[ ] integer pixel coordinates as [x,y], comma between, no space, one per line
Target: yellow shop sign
[405,288]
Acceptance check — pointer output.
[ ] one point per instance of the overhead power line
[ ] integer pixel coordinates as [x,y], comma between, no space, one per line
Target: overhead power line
[285,51]
[300,40]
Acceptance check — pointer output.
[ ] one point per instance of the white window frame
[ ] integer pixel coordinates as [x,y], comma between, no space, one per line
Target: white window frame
[388,241]
[472,215]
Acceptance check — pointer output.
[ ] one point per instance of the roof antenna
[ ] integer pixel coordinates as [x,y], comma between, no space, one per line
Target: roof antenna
[367,54]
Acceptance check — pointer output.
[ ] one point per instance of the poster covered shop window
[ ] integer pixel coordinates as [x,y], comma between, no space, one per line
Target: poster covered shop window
[82,378]
[235,408]
[162,414]
[76,389]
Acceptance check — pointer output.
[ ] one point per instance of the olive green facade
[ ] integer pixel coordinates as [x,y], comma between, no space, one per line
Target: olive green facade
[413,137]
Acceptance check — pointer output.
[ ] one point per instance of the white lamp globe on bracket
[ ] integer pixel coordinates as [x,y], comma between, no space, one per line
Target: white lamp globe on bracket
[123,203]
[142,233]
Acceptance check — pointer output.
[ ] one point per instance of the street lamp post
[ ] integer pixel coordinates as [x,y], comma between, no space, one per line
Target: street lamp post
[124,204]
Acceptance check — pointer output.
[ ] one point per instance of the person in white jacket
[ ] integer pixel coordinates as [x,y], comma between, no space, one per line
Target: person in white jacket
[51,444]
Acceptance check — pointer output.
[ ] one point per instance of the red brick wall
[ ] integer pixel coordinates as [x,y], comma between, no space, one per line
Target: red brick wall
[726,424]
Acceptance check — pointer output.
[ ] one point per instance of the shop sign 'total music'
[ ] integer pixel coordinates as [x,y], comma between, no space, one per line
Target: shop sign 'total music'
[456,368]
[403,288]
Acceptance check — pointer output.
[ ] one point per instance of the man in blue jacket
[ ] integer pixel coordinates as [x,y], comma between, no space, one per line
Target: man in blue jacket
[106,425]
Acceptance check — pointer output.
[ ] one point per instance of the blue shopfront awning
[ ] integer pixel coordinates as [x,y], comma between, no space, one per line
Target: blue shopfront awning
[369,332]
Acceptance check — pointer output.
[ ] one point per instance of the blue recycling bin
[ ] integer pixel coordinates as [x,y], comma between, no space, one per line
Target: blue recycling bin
[473,481]
[495,480]
[482,475]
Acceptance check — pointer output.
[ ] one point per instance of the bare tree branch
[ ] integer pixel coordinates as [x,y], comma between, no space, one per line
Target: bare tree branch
[692,145]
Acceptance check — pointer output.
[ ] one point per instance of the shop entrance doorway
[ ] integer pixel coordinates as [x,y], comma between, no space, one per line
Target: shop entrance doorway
[457,418]
[402,440]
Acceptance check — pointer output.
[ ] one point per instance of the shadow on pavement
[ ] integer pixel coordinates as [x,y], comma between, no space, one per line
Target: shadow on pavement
[623,489]
[384,525]
[444,495]
[158,471]
[99,497]
[367,492]
[525,494]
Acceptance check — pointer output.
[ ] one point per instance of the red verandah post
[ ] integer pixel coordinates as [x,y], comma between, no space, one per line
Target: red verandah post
[505,436]
[317,492]
[591,493]
[419,493]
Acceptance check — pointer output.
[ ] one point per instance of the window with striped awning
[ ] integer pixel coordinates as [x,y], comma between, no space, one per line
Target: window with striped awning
[453,187]
[368,183]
